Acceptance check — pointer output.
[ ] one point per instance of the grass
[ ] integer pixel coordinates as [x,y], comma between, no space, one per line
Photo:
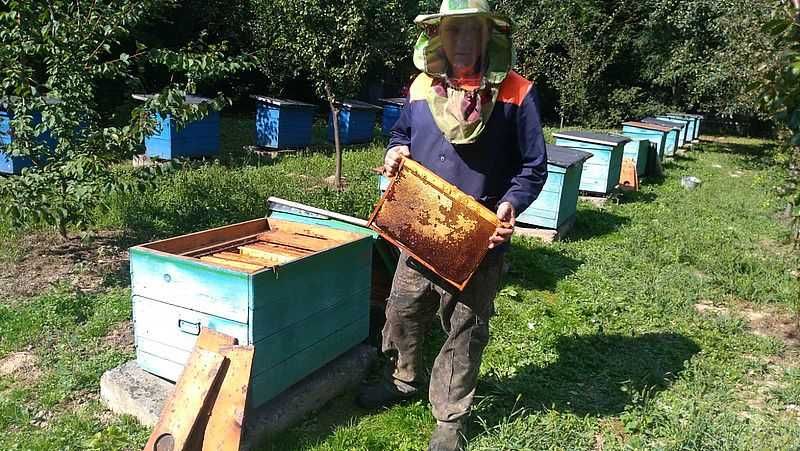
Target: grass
[596,343]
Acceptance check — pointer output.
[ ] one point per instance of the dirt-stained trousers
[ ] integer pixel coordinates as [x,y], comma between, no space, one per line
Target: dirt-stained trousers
[416,296]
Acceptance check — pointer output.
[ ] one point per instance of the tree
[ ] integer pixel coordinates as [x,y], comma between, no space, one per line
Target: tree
[65,50]
[781,91]
[333,43]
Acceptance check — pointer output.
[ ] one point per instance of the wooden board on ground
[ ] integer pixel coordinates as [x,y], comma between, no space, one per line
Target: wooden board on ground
[181,413]
[546,235]
[224,429]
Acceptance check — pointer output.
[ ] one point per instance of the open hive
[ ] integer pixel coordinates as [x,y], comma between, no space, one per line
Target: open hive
[296,291]
[268,249]
[441,227]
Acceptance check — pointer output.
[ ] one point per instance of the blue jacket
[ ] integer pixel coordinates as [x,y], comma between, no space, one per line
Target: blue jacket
[508,162]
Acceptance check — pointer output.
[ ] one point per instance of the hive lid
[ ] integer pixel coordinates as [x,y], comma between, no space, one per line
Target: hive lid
[396,101]
[358,105]
[565,157]
[592,137]
[282,102]
[696,116]
[189,100]
[444,229]
[647,126]
[663,123]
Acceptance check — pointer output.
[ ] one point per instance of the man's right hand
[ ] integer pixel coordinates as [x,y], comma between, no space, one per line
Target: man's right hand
[393,158]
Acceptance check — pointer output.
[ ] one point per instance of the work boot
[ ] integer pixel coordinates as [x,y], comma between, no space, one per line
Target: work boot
[448,436]
[381,395]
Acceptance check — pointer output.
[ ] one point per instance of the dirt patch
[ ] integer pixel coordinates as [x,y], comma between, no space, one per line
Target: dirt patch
[765,323]
[47,260]
[20,365]
[120,337]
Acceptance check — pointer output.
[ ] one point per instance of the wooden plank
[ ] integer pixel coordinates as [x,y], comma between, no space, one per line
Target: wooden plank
[224,429]
[220,343]
[313,230]
[246,259]
[179,417]
[263,252]
[214,341]
[283,250]
[307,242]
[192,241]
[231,264]
[221,246]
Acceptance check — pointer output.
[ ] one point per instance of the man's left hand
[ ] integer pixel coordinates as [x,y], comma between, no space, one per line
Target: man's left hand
[508,217]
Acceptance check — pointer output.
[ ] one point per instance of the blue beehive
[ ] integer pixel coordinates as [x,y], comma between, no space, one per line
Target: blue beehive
[677,123]
[673,138]
[601,173]
[356,122]
[638,151]
[195,139]
[305,303]
[695,118]
[15,164]
[656,134]
[688,126]
[558,201]
[283,124]
[391,113]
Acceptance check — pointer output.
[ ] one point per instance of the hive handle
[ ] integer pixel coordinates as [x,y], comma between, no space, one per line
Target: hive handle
[189,327]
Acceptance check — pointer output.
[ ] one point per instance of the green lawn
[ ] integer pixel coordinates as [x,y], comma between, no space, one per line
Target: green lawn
[597,343]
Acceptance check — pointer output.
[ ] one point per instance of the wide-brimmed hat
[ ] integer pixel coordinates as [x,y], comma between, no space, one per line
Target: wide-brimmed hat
[463,8]
[429,58]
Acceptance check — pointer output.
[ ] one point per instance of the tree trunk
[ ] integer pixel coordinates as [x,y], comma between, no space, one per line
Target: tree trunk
[337,144]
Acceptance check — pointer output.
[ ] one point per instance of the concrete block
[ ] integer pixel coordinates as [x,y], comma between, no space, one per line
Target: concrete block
[130,390]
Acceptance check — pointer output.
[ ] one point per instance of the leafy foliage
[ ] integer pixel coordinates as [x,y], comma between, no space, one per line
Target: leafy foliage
[781,94]
[53,58]
[332,43]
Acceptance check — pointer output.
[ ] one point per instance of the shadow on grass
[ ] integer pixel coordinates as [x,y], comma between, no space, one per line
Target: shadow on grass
[592,223]
[540,268]
[755,155]
[598,375]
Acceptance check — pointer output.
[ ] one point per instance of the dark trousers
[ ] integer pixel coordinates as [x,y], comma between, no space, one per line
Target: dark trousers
[417,294]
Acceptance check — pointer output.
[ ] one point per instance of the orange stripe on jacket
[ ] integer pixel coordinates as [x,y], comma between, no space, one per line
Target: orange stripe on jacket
[514,89]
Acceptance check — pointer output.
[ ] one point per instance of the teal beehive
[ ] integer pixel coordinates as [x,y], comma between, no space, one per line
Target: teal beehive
[673,138]
[298,292]
[680,124]
[688,126]
[656,134]
[558,201]
[691,124]
[601,173]
[638,151]
[696,118]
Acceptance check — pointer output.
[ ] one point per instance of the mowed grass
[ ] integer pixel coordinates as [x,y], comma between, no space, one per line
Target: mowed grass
[596,344]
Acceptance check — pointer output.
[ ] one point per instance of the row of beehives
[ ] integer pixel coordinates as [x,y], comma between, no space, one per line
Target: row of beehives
[592,163]
[280,124]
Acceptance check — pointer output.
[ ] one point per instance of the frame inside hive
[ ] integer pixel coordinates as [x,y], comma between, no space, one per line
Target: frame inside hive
[255,245]
[433,221]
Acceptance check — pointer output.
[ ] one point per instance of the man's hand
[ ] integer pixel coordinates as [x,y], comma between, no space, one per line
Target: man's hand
[393,158]
[508,217]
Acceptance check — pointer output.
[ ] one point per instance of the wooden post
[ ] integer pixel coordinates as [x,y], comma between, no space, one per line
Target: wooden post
[335,112]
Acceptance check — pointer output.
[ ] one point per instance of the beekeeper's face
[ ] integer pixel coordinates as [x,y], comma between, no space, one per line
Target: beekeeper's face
[464,40]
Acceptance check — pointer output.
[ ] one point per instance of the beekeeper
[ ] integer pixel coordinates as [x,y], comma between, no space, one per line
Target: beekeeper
[475,122]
